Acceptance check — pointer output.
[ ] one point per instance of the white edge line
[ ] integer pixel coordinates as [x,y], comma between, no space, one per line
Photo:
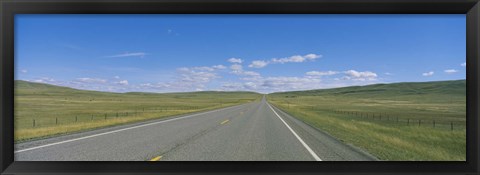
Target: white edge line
[315,156]
[119,130]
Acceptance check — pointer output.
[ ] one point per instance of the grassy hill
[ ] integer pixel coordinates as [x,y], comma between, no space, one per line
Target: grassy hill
[43,110]
[455,88]
[398,121]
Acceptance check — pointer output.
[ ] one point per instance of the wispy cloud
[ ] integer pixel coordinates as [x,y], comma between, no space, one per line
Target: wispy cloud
[204,68]
[44,80]
[172,32]
[237,69]
[122,82]
[296,58]
[133,54]
[235,60]
[24,71]
[291,59]
[450,71]
[427,74]
[219,66]
[258,64]
[319,73]
[91,80]
[360,76]
[463,64]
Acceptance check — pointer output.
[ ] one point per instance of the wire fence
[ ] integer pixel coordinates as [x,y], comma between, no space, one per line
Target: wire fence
[402,120]
[59,119]
[389,118]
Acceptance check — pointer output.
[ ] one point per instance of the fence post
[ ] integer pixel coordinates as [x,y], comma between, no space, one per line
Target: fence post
[117,115]
[76,119]
[451,126]
[105,116]
[419,122]
[433,123]
[92,117]
[408,121]
[56,120]
[33,122]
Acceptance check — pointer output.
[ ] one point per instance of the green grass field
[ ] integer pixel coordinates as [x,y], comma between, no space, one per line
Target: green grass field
[401,121]
[406,130]
[43,110]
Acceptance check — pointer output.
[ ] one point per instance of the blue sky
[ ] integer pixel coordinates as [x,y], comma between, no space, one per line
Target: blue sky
[262,53]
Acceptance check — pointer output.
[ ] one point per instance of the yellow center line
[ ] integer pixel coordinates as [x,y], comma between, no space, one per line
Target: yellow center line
[224,121]
[156,158]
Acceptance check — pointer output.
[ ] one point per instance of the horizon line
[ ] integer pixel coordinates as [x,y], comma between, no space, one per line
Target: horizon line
[237,90]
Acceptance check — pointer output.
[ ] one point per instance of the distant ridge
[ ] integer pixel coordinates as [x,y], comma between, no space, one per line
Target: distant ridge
[46,88]
[452,87]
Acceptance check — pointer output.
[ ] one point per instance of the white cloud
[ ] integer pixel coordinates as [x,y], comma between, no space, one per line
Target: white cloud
[122,82]
[134,54]
[24,71]
[273,84]
[210,69]
[360,76]
[236,67]
[312,56]
[172,32]
[187,79]
[258,64]
[250,85]
[318,73]
[388,73]
[296,58]
[219,66]
[250,73]
[91,80]
[463,64]
[427,74]
[235,60]
[116,77]
[231,86]
[204,68]
[450,71]
[289,83]
[292,59]
[193,77]
[45,80]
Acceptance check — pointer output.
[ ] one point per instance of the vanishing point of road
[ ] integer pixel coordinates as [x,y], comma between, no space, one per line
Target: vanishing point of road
[255,131]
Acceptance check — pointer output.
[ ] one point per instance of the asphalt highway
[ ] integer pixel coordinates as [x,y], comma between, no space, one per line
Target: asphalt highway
[254,131]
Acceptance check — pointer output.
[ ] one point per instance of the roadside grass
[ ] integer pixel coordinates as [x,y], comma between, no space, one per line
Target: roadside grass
[44,110]
[388,139]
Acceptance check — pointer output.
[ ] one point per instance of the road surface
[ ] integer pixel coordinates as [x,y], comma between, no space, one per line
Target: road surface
[254,131]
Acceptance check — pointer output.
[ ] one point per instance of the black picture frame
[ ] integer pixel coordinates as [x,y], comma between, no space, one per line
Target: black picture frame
[9,8]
